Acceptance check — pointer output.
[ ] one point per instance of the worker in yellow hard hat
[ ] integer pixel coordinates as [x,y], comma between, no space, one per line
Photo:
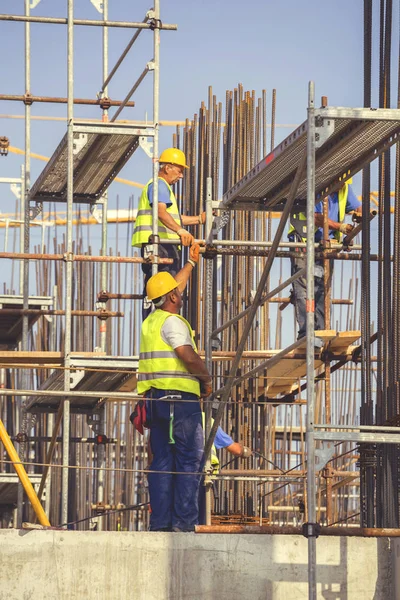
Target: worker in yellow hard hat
[340,203]
[172,376]
[171,224]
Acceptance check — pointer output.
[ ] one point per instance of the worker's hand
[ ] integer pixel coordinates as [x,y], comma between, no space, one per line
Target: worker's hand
[205,388]
[186,237]
[194,252]
[346,228]
[246,452]
[356,217]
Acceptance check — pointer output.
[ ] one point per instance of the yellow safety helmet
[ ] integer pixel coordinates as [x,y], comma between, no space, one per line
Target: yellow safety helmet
[160,284]
[174,156]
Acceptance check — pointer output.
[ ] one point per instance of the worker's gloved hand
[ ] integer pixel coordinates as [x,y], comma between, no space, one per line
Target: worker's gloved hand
[346,228]
[205,388]
[246,452]
[202,217]
[194,252]
[186,237]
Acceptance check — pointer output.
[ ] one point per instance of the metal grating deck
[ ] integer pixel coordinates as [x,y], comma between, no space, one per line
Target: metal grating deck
[98,158]
[353,144]
[106,374]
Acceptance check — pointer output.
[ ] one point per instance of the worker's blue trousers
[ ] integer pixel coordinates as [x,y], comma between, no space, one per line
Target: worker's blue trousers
[174,497]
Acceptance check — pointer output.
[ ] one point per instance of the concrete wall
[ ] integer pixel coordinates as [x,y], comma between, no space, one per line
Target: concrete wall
[57,565]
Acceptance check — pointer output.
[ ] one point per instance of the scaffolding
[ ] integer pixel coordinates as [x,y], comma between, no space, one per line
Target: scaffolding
[87,160]
[313,161]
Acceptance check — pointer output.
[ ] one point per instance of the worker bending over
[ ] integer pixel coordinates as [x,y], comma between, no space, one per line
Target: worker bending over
[170,221]
[169,365]
[339,204]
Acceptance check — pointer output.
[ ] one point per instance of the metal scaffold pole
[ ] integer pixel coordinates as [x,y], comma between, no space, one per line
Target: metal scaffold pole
[311,491]
[101,454]
[156,106]
[25,232]
[68,274]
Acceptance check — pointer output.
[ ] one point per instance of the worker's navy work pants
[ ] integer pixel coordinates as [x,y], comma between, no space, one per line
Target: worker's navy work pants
[174,497]
[167,251]
[300,294]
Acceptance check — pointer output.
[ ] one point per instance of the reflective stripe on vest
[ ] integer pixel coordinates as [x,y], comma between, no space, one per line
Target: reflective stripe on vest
[214,456]
[159,366]
[144,219]
[301,230]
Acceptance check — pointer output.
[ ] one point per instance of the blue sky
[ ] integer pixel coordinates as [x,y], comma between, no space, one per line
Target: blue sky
[262,44]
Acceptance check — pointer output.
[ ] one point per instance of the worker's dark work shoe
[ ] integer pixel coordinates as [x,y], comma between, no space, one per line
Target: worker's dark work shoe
[179,530]
[162,529]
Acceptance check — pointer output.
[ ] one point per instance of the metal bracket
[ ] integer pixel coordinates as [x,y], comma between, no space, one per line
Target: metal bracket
[96,212]
[75,377]
[146,146]
[322,455]
[34,3]
[220,222]
[93,420]
[324,129]
[99,5]
[16,190]
[151,65]
[150,14]
[48,318]
[79,142]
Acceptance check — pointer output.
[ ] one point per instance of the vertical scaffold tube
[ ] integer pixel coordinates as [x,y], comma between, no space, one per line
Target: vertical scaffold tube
[68,274]
[312,589]
[156,99]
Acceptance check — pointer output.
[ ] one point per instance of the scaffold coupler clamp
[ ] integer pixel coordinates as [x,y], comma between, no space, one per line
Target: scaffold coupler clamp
[210,252]
[311,530]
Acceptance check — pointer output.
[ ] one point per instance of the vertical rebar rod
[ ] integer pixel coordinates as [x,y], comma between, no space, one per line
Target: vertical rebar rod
[311,490]
[156,100]
[69,264]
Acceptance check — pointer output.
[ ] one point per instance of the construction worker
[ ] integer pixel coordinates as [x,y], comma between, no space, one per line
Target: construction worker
[222,440]
[169,366]
[170,221]
[339,204]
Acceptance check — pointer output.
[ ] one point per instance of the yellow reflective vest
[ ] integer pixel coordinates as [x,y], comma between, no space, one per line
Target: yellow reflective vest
[144,219]
[214,456]
[342,197]
[159,366]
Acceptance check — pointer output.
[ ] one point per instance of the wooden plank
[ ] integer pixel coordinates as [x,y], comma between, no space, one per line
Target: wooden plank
[41,358]
[344,339]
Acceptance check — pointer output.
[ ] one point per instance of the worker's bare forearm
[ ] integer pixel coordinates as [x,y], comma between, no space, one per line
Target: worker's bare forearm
[166,218]
[194,364]
[319,222]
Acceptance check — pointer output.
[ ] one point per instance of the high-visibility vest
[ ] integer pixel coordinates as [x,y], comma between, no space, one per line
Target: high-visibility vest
[159,366]
[299,225]
[214,456]
[144,218]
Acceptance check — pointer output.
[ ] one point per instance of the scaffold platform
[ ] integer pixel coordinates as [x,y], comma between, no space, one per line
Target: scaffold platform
[11,325]
[284,377]
[95,374]
[100,152]
[345,144]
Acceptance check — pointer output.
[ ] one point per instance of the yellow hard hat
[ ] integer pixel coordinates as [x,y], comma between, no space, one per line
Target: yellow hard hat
[174,156]
[160,284]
